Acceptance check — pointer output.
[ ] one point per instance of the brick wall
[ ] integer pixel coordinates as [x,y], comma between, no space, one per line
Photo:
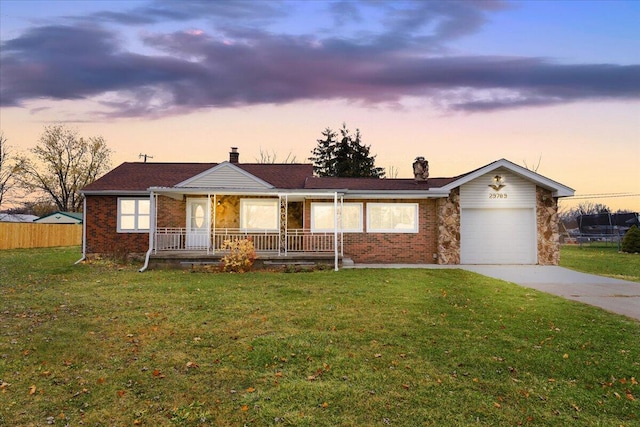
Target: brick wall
[171,212]
[102,235]
[401,248]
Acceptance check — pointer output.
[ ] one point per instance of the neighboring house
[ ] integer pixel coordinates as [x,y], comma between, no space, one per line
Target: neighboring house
[500,213]
[5,217]
[61,218]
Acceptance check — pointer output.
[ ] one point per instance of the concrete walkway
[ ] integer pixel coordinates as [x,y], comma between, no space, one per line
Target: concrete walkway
[617,296]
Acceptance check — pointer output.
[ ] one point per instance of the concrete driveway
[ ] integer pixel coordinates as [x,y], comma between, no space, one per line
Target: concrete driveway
[617,296]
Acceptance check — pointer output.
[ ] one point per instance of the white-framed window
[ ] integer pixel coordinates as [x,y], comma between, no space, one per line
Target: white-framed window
[134,215]
[259,214]
[322,217]
[392,217]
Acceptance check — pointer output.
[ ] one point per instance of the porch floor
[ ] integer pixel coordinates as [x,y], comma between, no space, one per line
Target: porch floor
[192,259]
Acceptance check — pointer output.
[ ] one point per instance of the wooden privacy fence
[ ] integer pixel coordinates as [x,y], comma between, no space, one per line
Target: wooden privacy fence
[29,235]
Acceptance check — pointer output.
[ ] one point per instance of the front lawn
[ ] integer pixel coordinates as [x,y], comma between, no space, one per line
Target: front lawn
[602,259]
[105,346]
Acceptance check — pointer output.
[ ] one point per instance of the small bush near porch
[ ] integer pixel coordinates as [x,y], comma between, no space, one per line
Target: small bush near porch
[95,344]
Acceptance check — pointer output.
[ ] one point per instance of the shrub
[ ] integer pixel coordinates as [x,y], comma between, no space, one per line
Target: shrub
[631,240]
[240,257]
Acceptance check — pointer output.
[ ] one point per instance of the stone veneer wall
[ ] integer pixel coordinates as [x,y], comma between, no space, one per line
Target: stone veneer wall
[547,227]
[448,212]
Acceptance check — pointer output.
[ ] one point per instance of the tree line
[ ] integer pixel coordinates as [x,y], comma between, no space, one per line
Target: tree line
[50,176]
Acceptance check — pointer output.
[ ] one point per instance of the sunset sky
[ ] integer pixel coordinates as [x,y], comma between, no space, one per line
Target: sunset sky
[547,84]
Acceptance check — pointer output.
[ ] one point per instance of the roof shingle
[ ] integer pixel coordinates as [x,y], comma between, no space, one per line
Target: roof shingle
[137,177]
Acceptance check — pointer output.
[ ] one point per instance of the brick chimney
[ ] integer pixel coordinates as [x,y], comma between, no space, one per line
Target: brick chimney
[234,156]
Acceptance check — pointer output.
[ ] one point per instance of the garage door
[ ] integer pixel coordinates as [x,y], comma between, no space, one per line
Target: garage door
[497,236]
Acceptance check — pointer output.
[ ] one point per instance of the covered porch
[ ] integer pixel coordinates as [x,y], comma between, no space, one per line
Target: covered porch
[191,226]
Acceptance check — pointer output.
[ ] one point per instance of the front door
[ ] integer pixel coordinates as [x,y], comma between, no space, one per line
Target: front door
[197,224]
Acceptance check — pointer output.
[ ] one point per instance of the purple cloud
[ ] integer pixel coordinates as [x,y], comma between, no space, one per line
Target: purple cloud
[188,71]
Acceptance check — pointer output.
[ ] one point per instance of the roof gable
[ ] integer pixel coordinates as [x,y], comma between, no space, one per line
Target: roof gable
[558,189]
[225,175]
[61,218]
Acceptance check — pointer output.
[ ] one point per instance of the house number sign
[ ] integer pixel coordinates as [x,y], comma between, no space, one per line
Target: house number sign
[497,185]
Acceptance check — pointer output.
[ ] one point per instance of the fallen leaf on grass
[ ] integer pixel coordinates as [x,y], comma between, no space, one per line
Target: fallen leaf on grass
[325,405]
[629,395]
[251,390]
[244,408]
[121,393]
[192,365]
[32,390]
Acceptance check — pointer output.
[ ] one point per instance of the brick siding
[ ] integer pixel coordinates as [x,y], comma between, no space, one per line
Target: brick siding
[102,229]
[386,248]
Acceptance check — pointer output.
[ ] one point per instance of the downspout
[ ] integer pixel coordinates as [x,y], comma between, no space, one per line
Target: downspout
[84,232]
[335,230]
[209,223]
[152,231]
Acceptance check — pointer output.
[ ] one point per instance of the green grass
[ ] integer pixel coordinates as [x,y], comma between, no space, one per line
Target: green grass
[601,259]
[99,345]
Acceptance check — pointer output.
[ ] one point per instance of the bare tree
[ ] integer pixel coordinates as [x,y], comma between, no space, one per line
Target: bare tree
[7,168]
[533,167]
[63,164]
[271,157]
[392,172]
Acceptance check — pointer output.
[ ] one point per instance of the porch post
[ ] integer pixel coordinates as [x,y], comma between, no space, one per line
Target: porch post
[213,232]
[335,230]
[282,246]
[208,223]
[341,227]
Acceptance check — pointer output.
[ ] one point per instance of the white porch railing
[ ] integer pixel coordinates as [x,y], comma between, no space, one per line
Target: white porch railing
[297,240]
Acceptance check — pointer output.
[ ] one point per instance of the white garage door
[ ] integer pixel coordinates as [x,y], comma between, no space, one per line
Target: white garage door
[497,236]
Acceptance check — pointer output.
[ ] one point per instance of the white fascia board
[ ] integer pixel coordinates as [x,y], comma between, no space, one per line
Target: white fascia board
[395,195]
[559,190]
[223,165]
[115,193]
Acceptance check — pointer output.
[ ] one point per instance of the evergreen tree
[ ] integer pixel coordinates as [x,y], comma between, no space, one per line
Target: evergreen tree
[348,157]
[631,240]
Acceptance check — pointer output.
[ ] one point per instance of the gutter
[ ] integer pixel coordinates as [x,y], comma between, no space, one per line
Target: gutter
[84,232]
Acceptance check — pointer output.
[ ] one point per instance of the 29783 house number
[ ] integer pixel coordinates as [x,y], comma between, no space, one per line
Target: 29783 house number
[497,195]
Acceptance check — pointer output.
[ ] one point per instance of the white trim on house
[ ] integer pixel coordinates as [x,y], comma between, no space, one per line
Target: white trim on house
[558,189]
[225,175]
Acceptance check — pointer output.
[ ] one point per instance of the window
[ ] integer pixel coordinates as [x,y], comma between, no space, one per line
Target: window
[259,214]
[133,215]
[392,217]
[322,217]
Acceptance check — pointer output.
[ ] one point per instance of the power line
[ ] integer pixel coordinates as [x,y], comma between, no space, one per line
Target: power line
[602,196]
